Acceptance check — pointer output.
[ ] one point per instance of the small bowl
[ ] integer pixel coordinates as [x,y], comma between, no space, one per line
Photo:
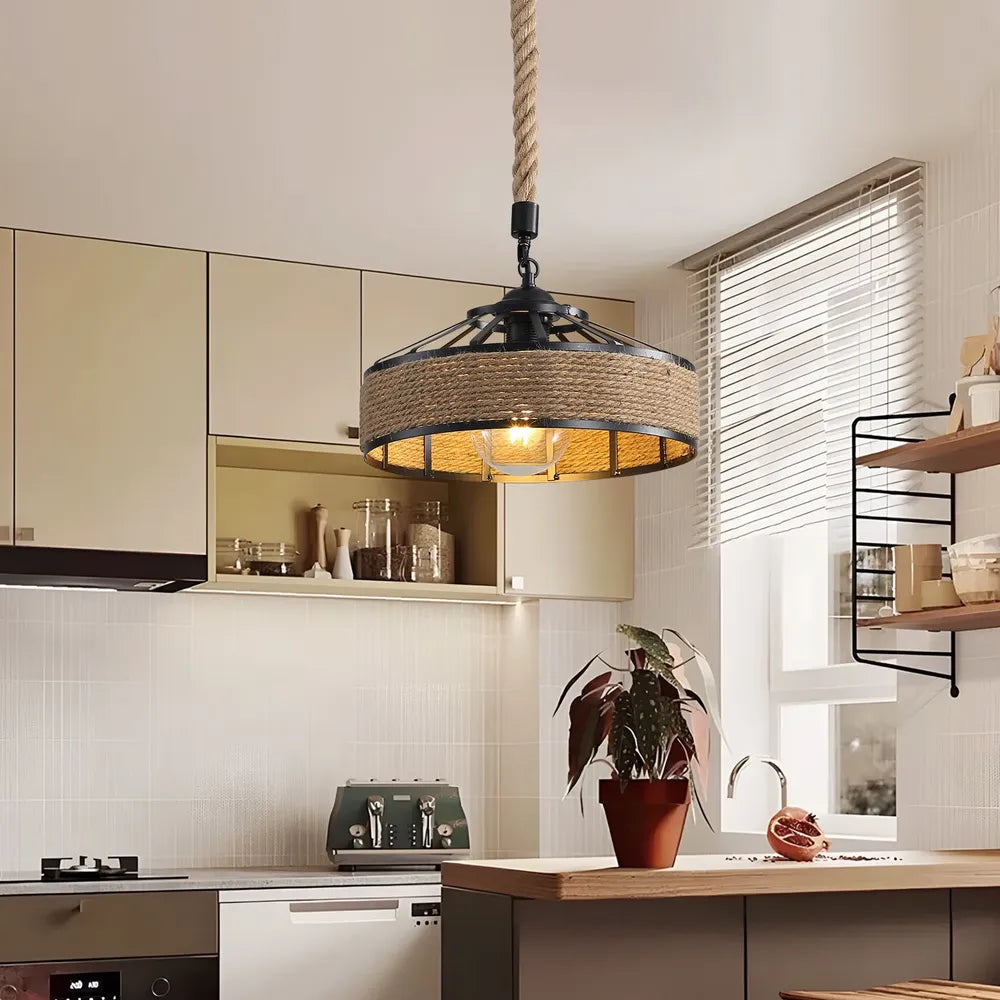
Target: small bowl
[939,594]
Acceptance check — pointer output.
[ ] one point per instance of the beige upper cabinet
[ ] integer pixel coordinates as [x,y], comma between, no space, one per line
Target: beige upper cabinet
[574,540]
[111,402]
[398,310]
[284,349]
[6,386]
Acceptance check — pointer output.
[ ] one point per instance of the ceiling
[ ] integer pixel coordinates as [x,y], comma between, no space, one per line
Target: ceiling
[377,134]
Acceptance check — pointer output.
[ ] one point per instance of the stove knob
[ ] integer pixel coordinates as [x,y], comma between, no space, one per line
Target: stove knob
[160,987]
[444,830]
[8,992]
[358,842]
[356,830]
[446,841]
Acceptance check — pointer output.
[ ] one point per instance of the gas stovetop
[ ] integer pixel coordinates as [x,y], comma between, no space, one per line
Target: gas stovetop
[96,870]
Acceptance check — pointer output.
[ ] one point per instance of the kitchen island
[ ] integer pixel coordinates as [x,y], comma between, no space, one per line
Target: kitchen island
[716,927]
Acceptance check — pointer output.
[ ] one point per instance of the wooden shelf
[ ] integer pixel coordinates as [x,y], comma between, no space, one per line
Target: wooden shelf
[963,451]
[367,589]
[964,619]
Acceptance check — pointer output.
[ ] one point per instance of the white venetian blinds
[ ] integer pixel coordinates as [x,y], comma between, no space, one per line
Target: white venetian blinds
[798,335]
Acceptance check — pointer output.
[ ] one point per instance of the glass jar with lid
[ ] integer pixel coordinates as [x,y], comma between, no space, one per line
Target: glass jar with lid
[381,551]
[432,546]
[232,555]
[273,559]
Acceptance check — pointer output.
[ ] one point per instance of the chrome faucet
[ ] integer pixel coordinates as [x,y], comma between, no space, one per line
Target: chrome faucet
[771,762]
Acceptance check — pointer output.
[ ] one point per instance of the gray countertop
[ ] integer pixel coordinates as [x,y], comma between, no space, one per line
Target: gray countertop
[216,878]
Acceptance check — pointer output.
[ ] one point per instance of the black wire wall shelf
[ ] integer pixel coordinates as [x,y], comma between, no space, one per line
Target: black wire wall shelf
[946,455]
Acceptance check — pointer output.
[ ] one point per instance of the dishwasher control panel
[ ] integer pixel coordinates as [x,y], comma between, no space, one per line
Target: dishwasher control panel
[426,914]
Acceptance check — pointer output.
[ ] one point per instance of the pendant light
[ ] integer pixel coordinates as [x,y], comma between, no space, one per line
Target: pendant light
[528,389]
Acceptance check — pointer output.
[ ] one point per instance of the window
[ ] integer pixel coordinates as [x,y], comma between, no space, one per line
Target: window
[801,332]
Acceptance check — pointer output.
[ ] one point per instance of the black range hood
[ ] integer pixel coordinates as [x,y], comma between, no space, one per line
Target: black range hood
[161,572]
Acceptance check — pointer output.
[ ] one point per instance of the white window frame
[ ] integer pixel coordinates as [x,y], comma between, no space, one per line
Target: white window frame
[834,684]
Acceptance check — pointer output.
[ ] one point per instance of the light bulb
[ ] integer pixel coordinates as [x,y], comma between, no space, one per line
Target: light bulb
[521,450]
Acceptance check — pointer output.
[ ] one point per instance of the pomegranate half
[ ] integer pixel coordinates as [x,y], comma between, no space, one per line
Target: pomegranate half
[794,834]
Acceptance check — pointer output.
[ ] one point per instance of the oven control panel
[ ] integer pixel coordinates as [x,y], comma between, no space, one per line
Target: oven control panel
[195,978]
[85,986]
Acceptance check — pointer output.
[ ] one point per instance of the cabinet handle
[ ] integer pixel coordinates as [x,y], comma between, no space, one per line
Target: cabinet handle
[24,535]
[4,532]
[344,911]
[354,433]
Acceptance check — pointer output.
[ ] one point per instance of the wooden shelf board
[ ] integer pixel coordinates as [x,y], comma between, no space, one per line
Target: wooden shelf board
[964,619]
[381,589]
[293,456]
[963,451]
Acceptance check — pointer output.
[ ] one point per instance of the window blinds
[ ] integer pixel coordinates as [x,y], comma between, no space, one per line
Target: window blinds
[798,335]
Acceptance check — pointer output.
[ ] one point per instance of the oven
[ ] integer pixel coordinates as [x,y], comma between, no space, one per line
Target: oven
[194,978]
[109,945]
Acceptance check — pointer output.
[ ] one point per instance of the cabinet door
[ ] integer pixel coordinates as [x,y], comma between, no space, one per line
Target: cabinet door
[285,345]
[6,386]
[398,310]
[111,402]
[574,540]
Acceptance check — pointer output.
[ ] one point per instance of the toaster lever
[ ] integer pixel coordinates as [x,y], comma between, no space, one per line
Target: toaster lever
[376,807]
[426,804]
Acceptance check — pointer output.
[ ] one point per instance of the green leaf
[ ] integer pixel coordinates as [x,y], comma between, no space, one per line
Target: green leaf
[648,719]
[651,644]
[621,748]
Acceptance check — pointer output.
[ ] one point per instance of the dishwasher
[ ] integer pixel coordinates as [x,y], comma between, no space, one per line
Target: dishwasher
[379,942]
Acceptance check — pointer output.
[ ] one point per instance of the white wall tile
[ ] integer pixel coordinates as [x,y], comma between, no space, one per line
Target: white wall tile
[200,729]
[948,757]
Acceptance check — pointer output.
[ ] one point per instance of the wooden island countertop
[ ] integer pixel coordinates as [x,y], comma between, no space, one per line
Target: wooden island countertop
[725,875]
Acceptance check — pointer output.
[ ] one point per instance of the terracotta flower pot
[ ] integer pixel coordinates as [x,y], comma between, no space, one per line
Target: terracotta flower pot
[646,820]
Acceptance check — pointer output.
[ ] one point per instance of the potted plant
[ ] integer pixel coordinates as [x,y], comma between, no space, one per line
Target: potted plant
[655,731]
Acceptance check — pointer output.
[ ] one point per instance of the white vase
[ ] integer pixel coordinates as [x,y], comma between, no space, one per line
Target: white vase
[342,559]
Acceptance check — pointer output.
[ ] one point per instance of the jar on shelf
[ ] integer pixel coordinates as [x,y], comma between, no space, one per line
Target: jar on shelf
[381,552]
[232,555]
[273,559]
[432,548]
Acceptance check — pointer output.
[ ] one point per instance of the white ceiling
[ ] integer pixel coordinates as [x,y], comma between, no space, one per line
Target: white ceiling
[377,134]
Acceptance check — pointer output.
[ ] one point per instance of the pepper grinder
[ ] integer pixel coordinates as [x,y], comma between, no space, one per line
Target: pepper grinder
[319,521]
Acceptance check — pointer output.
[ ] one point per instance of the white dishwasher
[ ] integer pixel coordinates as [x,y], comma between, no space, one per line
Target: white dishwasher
[379,942]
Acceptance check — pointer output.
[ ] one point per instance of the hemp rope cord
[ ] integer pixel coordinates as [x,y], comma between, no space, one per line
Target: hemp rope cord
[522,32]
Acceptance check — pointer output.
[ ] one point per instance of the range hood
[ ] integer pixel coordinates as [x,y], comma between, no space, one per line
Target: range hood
[162,572]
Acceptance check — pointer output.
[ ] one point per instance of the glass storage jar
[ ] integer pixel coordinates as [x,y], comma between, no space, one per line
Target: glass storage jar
[381,553]
[232,555]
[273,559]
[432,555]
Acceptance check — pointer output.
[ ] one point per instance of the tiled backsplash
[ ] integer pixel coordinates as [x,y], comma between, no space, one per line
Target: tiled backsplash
[947,758]
[570,633]
[204,729]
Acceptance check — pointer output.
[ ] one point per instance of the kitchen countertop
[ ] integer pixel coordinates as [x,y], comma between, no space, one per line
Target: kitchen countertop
[319,877]
[724,875]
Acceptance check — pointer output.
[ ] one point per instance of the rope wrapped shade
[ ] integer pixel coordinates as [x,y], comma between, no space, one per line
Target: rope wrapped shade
[535,377]
[624,407]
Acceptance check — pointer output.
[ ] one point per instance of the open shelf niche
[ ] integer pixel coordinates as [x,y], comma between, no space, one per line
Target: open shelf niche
[263,490]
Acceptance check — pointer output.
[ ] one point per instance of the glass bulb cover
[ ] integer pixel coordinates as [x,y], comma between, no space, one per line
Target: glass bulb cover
[521,450]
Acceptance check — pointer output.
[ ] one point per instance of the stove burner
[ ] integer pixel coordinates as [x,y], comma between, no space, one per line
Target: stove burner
[86,870]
